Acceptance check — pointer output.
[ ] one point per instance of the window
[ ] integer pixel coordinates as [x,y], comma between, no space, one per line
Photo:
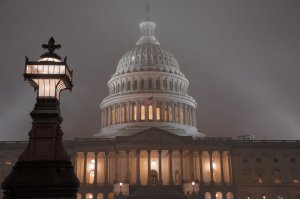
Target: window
[128,85]
[123,114]
[157,84]
[134,112]
[181,115]
[260,178]
[8,162]
[143,114]
[150,112]
[157,113]
[170,113]
[277,178]
[135,85]
[142,84]
[112,116]
[150,83]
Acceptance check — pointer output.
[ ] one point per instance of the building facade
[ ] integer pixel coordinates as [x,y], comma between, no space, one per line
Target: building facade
[149,146]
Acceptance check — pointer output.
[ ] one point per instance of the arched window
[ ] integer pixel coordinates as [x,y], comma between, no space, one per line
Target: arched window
[142,84]
[229,195]
[157,84]
[170,113]
[89,196]
[143,113]
[166,113]
[128,85]
[277,177]
[112,115]
[219,195]
[150,83]
[134,84]
[207,195]
[134,112]
[165,84]
[123,87]
[150,112]
[117,115]
[123,109]
[158,107]
[100,196]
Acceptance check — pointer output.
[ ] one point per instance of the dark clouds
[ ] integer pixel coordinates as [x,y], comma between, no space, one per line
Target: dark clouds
[241,58]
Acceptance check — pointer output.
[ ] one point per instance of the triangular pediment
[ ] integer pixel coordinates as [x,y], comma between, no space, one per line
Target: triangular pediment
[154,136]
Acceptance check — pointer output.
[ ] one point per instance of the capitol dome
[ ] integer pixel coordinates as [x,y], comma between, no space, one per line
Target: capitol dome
[148,90]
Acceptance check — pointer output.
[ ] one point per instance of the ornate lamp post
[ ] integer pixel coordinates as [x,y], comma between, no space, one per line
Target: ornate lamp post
[44,169]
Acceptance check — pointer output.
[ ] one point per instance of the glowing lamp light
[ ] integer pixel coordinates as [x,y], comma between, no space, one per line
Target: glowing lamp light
[49,75]
[153,165]
[213,165]
[121,184]
[92,165]
[193,183]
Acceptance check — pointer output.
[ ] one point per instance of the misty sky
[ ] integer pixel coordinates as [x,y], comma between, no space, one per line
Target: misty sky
[242,59]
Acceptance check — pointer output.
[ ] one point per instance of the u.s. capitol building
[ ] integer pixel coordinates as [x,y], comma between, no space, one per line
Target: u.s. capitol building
[149,146]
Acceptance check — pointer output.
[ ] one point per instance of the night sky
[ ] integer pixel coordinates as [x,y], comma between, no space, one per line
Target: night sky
[242,59]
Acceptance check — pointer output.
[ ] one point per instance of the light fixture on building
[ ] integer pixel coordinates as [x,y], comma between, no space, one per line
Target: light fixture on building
[121,185]
[193,184]
[153,165]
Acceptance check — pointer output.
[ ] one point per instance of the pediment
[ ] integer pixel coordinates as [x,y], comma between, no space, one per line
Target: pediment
[154,136]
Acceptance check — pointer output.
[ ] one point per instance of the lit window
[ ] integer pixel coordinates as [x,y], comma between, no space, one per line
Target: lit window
[112,116]
[157,113]
[134,113]
[166,113]
[296,181]
[117,115]
[170,113]
[181,116]
[142,112]
[150,113]
[8,162]
[123,114]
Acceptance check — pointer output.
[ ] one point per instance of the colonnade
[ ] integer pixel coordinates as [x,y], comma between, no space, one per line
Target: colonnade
[147,110]
[145,167]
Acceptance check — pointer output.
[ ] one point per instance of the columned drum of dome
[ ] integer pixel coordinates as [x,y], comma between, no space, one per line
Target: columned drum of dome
[148,90]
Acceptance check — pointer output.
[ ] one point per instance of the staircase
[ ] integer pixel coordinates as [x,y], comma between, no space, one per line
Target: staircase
[157,192]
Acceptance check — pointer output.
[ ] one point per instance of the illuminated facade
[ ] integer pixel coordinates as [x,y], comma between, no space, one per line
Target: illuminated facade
[149,141]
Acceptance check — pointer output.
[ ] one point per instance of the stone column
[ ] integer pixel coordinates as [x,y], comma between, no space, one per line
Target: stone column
[149,165]
[127,167]
[138,105]
[138,179]
[170,168]
[109,116]
[162,111]
[192,165]
[222,167]
[128,115]
[116,165]
[230,167]
[84,167]
[201,167]
[211,167]
[114,116]
[181,165]
[106,167]
[160,167]
[96,169]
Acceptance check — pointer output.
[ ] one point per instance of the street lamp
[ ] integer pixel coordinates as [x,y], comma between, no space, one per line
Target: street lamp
[121,184]
[44,155]
[193,184]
